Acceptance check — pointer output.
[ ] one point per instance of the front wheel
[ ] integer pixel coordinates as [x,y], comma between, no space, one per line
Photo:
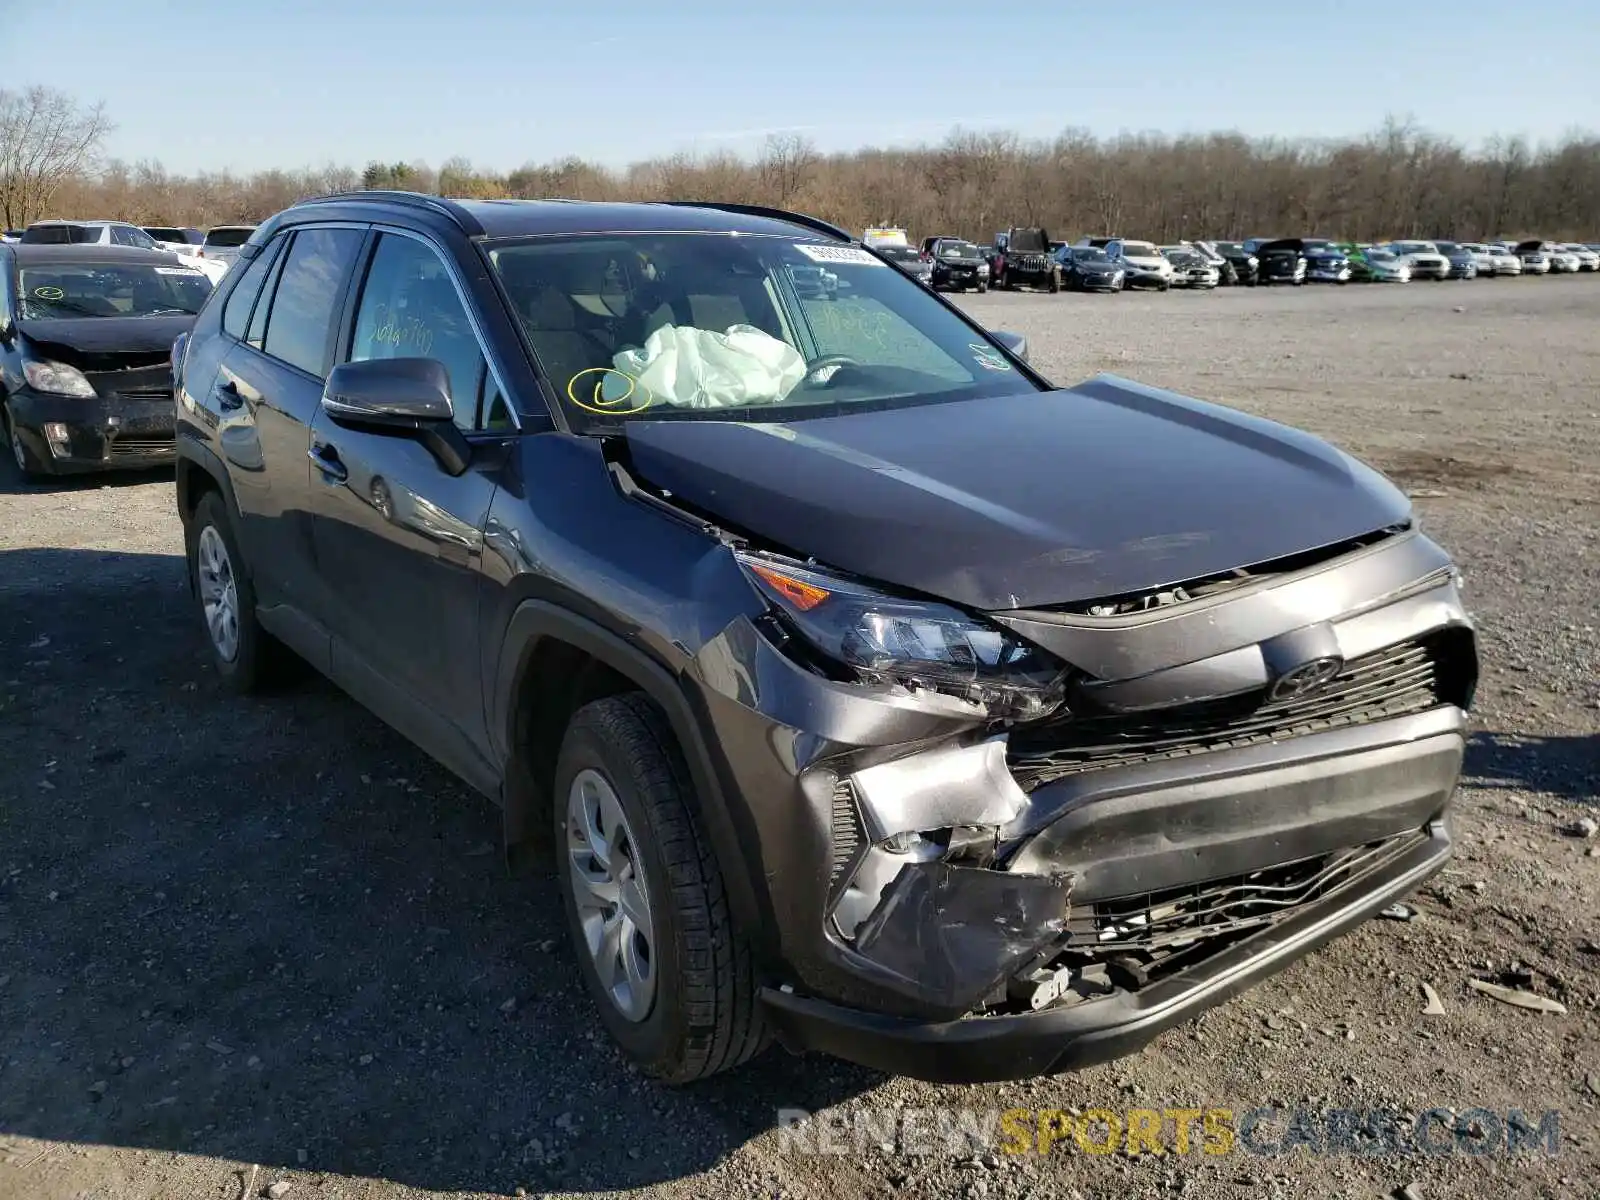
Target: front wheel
[27,466]
[646,907]
[1055,284]
[982,288]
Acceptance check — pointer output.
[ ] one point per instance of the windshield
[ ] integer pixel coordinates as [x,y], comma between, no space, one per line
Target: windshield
[1139,250]
[957,250]
[898,253]
[1379,256]
[1229,248]
[1090,254]
[228,237]
[1414,248]
[1447,247]
[165,235]
[74,290]
[724,327]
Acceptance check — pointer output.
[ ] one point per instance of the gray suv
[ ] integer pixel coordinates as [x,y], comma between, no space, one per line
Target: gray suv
[864,690]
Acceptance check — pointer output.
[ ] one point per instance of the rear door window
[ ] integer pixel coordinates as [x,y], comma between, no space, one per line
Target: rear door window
[236,311]
[305,304]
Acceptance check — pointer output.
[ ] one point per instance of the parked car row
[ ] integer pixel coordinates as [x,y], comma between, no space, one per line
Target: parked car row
[218,246]
[1026,257]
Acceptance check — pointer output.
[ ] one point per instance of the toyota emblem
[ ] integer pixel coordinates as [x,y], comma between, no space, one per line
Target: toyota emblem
[1306,678]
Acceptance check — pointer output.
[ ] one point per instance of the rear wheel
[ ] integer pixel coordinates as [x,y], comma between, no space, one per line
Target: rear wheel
[646,907]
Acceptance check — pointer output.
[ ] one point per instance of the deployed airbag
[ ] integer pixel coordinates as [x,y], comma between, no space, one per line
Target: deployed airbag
[687,367]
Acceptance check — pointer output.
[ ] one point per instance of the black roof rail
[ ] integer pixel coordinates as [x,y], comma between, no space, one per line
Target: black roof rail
[775,214]
[467,223]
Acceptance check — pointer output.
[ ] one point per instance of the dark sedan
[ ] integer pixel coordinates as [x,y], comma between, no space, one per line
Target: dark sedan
[86,337]
[1463,263]
[910,261]
[958,265]
[1089,269]
[1243,262]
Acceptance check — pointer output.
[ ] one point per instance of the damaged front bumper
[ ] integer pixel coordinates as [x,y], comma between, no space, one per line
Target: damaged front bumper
[980,1049]
[954,901]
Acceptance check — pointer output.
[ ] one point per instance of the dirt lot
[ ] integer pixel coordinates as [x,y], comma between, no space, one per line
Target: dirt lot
[252,943]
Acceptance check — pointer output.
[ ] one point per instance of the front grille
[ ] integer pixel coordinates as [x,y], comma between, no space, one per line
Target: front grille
[141,447]
[1155,925]
[1405,678]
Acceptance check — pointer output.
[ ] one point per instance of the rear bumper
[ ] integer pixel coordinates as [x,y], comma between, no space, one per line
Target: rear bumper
[984,1049]
[101,434]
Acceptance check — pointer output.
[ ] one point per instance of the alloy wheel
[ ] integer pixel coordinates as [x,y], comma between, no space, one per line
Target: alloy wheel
[613,899]
[219,592]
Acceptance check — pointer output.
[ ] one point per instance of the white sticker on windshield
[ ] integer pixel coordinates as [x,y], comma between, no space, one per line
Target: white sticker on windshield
[176,271]
[988,357]
[839,254]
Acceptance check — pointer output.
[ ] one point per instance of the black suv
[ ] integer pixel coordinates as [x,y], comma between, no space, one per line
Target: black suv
[1025,260]
[793,626]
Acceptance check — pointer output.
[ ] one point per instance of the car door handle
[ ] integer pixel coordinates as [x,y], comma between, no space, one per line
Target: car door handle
[326,460]
[227,395]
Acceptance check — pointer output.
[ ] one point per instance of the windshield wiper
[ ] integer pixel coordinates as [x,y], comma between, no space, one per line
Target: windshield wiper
[67,306]
[167,312]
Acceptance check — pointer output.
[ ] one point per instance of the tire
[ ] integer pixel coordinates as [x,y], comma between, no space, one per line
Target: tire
[22,458]
[1164,287]
[982,288]
[1054,285]
[252,660]
[702,1015]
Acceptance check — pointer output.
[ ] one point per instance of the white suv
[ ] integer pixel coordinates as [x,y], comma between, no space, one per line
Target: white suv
[88,233]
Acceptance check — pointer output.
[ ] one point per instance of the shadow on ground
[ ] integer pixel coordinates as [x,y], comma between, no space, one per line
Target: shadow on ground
[250,928]
[12,483]
[1568,766]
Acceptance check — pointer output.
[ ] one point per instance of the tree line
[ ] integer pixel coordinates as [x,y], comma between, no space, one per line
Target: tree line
[1400,181]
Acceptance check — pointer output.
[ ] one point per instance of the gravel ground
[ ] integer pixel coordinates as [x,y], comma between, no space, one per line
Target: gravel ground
[267,943]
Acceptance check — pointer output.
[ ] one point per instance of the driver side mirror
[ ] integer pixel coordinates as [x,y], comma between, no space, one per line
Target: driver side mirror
[1016,343]
[400,397]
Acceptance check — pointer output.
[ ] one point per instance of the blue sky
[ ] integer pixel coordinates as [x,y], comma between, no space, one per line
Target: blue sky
[296,83]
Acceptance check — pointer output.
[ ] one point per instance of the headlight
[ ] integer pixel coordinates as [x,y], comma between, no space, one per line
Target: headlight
[57,378]
[920,645]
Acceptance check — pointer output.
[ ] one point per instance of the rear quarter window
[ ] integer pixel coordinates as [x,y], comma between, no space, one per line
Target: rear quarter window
[236,309]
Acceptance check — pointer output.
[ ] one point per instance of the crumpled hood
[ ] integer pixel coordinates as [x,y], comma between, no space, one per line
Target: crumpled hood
[1020,501]
[105,343]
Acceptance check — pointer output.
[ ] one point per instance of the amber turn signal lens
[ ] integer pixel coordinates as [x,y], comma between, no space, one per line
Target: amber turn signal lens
[803,596]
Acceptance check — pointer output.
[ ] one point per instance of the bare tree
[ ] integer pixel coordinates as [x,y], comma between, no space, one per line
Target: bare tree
[786,161]
[46,138]
[1400,180]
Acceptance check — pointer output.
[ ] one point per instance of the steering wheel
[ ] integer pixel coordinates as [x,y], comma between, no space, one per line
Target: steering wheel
[820,363]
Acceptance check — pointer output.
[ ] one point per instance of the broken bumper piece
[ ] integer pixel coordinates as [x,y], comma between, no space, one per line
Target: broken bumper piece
[952,934]
[983,1048]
